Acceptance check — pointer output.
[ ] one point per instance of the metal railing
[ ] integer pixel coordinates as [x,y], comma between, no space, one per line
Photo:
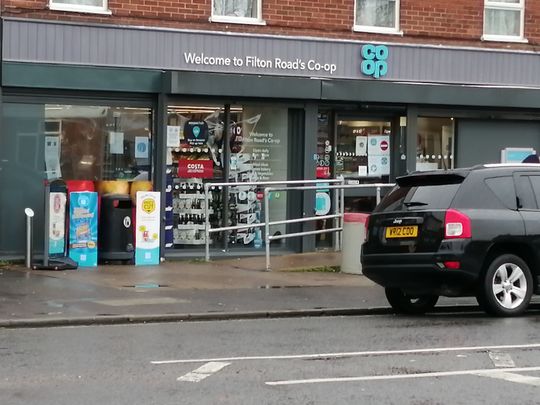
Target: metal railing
[207,186]
[340,188]
[302,185]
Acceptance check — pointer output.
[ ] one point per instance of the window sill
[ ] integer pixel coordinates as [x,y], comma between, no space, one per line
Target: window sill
[75,9]
[377,30]
[502,38]
[236,20]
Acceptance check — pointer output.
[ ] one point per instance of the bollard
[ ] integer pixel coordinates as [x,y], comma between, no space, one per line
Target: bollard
[29,212]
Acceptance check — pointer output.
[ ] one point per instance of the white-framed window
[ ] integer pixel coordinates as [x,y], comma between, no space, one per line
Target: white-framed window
[504,20]
[237,11]
[376,16]
[80,6]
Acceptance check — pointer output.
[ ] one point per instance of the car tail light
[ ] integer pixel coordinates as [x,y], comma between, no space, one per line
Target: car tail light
[366,224]
[457,225]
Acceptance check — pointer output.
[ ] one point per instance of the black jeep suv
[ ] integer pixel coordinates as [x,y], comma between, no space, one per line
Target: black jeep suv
[463,232]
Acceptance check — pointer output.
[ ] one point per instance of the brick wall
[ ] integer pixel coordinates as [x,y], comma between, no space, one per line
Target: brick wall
[458,22]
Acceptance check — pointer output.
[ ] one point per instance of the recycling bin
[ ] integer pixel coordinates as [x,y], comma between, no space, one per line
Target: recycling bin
[353,236]
[116,228]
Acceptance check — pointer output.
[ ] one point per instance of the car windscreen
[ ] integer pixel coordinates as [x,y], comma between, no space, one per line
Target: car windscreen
[418,197]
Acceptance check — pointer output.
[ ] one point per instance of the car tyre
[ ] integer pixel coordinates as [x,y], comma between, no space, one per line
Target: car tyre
[403,303]
[507,286]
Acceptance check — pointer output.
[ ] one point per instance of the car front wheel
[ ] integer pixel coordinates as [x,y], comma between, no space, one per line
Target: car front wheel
[507,286]
[403,303]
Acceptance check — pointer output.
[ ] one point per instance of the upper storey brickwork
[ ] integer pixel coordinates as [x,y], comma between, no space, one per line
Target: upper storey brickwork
[478,23]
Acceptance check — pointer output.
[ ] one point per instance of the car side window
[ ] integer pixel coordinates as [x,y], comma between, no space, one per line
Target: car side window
[535,183]
[525,194]
[503,188]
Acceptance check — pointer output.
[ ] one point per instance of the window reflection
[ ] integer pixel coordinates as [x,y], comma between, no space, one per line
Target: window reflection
[434,147]
[97,142]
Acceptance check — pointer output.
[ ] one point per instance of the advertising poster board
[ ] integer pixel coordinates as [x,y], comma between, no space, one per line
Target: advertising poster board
[83,228]
[147,222]
[57,223]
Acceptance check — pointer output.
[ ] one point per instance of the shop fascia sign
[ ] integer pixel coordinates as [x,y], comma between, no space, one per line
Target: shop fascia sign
[374,60]
[251,61]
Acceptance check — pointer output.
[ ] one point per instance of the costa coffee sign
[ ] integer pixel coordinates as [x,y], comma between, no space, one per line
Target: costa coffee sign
[201,169]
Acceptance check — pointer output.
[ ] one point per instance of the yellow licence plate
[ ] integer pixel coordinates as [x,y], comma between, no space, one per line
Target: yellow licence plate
[402,231]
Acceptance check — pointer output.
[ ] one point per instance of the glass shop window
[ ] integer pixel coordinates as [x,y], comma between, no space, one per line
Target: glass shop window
[435,144]
[196,136]
[97,142]
[363,149]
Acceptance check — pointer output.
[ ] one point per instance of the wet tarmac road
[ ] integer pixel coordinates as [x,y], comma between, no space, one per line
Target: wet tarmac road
[439,359]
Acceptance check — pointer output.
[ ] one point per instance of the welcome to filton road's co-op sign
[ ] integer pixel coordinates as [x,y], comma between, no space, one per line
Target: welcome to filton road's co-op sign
[373,62]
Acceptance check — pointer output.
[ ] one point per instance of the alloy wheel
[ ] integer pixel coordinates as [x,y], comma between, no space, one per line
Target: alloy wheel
[509,285]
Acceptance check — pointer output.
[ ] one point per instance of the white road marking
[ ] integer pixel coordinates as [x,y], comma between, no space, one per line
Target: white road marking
[483,373]
[515,378]
[500,359]
[351,354]
[202,372]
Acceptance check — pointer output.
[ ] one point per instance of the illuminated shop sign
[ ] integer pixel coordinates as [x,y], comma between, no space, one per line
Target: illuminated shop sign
[374,60]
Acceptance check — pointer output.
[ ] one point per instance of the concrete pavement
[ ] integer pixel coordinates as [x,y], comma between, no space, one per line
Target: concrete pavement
[299,285]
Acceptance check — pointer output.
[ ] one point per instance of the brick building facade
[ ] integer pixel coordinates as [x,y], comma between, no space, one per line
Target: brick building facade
[460,22]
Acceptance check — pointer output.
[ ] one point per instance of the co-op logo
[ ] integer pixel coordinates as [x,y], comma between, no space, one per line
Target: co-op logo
[374,60]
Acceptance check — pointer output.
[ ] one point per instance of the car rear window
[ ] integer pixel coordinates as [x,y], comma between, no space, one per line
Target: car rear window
[421,193]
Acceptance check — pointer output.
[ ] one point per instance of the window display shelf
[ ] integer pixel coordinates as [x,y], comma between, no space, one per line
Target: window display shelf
[191,211]
[190,227]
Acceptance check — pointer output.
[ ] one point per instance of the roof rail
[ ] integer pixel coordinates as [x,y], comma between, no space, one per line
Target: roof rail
[536,165]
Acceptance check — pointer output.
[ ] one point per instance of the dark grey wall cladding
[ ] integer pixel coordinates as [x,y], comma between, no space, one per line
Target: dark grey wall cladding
[54,42]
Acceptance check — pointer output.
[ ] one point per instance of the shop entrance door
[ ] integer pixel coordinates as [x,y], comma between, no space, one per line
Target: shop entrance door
[359,149]
[363,155]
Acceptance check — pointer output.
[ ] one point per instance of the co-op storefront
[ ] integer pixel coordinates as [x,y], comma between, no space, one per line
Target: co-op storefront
[181,108]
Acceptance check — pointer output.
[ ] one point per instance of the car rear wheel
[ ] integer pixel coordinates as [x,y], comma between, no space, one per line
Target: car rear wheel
[507,286]
[404,303]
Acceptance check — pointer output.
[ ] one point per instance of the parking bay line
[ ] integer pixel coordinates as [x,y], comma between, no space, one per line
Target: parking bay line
[203,372]
[495,373]
[353,354]
[512,377]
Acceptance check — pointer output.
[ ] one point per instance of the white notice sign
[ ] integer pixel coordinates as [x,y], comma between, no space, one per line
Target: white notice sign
[173,136]
[116,143]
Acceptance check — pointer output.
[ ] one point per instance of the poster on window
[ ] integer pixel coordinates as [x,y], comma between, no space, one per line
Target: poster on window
[141,147]
[378,166]
[116,143]
[196,132]
[147,232]
[378,145]
[361,145]
[195,169]
[52,157]
[83,228]
[173,136]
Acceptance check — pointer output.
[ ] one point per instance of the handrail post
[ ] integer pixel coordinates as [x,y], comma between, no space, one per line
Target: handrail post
[267,227]
[29,212]
[342,210]
[206,224]
[337,193]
